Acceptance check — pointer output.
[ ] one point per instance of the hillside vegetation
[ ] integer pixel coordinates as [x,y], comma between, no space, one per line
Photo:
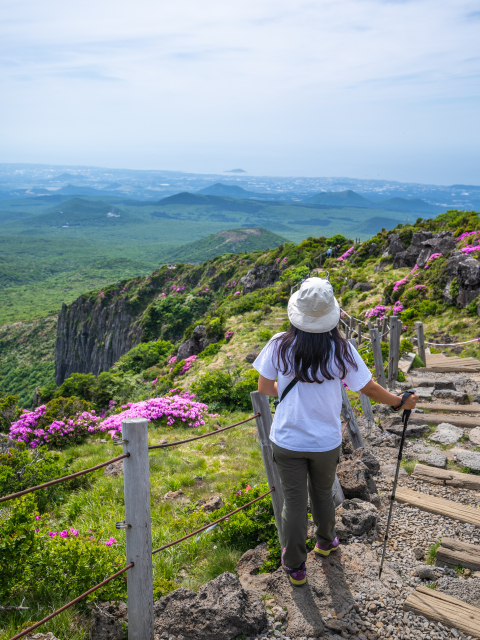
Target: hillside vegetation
[200,329]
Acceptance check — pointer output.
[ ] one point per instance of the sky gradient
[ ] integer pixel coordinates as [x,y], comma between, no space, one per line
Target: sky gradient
[363,88]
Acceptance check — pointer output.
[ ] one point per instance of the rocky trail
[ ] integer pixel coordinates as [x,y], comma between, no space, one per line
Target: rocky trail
[422,594]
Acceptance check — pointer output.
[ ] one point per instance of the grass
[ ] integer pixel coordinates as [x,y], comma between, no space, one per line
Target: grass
[191,563]
[431,556]
[409,465]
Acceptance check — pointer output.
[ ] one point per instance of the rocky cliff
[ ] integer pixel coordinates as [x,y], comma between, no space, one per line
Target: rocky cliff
[91,336]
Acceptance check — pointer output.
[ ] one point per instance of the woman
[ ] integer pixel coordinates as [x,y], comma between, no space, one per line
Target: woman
[306,432]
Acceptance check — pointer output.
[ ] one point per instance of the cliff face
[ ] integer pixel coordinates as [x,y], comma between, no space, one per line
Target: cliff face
[92,335]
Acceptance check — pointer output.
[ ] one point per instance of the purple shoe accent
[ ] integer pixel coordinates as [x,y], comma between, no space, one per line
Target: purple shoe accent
[324,550]
[297,576]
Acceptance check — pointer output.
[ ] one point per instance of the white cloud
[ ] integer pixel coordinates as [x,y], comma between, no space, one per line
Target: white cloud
[290,87]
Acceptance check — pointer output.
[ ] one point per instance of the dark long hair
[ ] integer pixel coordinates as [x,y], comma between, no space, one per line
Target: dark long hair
[311,352]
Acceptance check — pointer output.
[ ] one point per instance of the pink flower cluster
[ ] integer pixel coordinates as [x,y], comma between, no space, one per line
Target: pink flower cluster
[400,283]
[64,533]
[471,235]
[188,364]
[397,308]
[172,360]
[237,293]
[380,311]
[432,259]
[176,409]
[228,335]
[26,429]
[347,254]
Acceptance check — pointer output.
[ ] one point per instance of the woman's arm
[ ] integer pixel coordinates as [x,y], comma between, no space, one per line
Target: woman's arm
[267,387]
[379,394]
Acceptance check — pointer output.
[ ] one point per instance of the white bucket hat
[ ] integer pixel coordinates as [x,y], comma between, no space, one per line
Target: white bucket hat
[313,308]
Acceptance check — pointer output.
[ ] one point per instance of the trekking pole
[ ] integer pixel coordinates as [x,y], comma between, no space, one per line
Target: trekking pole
[405,417]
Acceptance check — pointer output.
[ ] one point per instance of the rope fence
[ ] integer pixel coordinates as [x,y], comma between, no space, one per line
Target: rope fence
[64,479]
[205,435]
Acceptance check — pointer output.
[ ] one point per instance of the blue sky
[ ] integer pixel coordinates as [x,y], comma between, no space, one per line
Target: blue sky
[361,88]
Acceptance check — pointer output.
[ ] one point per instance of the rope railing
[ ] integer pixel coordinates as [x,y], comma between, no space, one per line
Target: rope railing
[64,479]
[451,344]
[72,602]
[205,435]
[210,524]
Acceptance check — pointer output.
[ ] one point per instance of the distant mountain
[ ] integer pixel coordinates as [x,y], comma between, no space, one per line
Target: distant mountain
[414,205]
[341,198]
[227,190]
[113,185]
[230,241]
[373,225]
[63,177]
[235,171]
[82,213]
[71,190]
[215,202]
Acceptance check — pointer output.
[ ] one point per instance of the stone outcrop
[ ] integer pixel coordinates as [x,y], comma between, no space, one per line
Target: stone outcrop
[465,270]
[252,560]
[355,474]
[357,516]
[194,345]
[91,336]
[220,610]
[423,245]
[259,277]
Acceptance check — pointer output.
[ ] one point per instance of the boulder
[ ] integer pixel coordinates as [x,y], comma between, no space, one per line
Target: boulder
[474,436]
[221,610]
[460,397]
[354,478]
[260,277]
[427,382]
[114,469]
[212,504]
[252,356]
[252,560]
[413,430]
[425,572]
[391,440]
[440,385]
[194,345]
[446,433]
[435,459]
[442,243]
[173,495]
[419,553]
[368,459]
[466,270]
[363,286]
[358,516]
[109,621]
[467,459]
[476,398]
[395,245]
[389,470]
[41,636]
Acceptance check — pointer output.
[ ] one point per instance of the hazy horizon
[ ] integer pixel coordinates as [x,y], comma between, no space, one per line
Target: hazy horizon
[371,89]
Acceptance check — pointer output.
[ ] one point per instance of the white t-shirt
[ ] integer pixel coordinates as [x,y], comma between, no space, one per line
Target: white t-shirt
[308,418]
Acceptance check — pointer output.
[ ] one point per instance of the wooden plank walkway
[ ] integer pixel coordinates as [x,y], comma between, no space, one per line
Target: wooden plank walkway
[453,552]
[438,363]
[439,506]
[446,477]
[439,607]
[460,408]
[459,421]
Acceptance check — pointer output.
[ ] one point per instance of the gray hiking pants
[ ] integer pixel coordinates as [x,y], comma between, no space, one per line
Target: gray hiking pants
[296,469]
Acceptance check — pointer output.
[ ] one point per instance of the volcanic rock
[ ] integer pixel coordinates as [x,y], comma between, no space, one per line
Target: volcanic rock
[460,397]
[446,433]
[358,516]
[194,345]
[221,610]
[260,277]
[252,560]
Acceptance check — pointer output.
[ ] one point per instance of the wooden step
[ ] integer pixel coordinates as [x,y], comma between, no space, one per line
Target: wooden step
[461,408]
[459,421]
[446,477]
[440,607]
[455,552]
[439,506]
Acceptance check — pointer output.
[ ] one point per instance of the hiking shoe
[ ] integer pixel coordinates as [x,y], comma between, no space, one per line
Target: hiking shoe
[324,550]
[297,576]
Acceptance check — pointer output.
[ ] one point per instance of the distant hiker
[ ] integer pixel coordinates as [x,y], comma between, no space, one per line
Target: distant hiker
[329,252]
[308,362]
[335,250]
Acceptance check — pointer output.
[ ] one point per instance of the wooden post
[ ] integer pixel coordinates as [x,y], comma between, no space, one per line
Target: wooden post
[138,532]
[394,351]
[348,415]
[359,326]
[377,357]
[384,329]
[365,402]
[421,343]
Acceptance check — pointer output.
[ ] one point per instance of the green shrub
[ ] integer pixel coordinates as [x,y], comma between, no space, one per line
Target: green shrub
[145,355]
[216,328]
[408,314]
[427,308]
[417,362]
[405,346]
[213,386]
[162,587]
[295,275]
[21,468]
[264,335]
[9,412]
[211,350]
[473,307]
[400,376]
[454,289]
[53,569]
[80,385]
[285,326]
[240,394]
[62,408]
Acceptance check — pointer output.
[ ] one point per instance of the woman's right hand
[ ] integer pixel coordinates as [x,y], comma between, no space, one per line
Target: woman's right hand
[410,402]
